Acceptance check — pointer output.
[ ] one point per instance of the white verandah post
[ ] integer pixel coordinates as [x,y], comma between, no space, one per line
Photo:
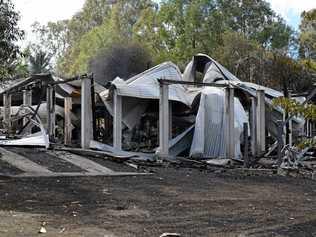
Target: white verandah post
[117,121]
[86,113]
[164,120]
[68,124]
[261,122]
[27,101]
[230,118]
[7,111]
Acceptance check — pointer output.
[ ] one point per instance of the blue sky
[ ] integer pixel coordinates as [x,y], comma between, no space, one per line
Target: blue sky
[291,10]
[53,10]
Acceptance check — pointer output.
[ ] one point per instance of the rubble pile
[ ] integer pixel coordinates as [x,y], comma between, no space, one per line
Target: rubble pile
[204,117]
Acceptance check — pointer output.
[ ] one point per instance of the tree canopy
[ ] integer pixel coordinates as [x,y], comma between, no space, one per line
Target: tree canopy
[246,36]
[308,35]
[9,35]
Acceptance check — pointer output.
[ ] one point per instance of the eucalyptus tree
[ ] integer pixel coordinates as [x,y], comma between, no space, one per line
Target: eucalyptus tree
[9,35]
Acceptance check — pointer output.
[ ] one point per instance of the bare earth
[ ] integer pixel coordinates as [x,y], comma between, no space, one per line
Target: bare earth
[186,201]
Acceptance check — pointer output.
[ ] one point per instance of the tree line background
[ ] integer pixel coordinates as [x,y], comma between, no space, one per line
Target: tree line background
[124,37]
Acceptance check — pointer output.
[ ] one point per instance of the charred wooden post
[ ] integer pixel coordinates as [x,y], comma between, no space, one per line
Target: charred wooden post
[310,128]
[68,124]
[27,101]
[290,126]
[253,129]
[117,121]
[94,118]
[261,123]
[7,111]
[27,97]
[230,118]
[170,120]
[284,118]
[164,120]
[307,128]
[51,116]
[280,125]
[246,146]
[86,113]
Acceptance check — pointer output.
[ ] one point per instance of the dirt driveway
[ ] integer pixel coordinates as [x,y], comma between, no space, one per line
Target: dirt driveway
[189,202]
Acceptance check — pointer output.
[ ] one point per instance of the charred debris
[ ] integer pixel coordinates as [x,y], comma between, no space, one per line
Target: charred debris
[204,117]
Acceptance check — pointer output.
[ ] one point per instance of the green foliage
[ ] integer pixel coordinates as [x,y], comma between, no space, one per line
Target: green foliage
[171,30]
[238,53]
[20,65]
[309,142]
[294,108]
[52,38]
[9,34]
[256,21]
[246,36]
[308,35]
[39,62]
[116,28]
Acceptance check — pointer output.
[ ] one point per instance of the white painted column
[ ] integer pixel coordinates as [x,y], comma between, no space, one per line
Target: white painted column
[253,123]
[170,120]
[164,121]
[68,124]
[51,116]
[7,111]
[27,101]
[291,134]
[261,122]
[230,118]
[27,97]
[284,127]
[86,113]
[290,127]
[117,121]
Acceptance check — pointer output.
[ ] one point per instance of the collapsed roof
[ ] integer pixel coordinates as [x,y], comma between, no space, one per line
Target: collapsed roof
[205,137]
[200,109]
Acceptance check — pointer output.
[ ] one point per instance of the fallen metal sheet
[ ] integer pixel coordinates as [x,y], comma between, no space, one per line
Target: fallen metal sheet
[110,149]
[218,162]
[182,142]
[118,153]
[96,153]
[37,140]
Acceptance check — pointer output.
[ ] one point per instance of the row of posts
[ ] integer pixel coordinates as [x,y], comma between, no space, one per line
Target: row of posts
[7,100]
[257,118]
[257,122]
[86,113]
